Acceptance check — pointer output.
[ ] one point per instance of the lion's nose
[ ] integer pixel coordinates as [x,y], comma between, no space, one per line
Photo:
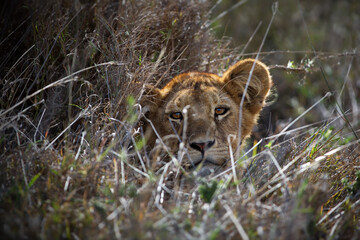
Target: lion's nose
[202,146]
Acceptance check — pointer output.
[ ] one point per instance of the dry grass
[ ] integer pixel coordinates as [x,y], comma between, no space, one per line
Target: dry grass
[71,76]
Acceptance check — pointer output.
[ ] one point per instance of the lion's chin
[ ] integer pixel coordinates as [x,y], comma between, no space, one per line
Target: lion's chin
[207,167]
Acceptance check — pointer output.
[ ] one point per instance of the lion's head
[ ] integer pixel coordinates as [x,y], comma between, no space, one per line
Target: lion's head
[200,112]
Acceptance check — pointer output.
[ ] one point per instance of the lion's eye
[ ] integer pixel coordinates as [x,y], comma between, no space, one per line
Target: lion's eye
[220,111]
[176,115]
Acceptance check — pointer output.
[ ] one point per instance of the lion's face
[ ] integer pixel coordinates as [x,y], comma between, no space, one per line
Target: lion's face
[198,113]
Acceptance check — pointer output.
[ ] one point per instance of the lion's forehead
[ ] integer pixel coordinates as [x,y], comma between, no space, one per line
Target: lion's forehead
[199,80]
[192,80]
[201,99]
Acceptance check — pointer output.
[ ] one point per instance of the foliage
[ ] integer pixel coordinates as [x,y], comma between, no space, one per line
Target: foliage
[72,164]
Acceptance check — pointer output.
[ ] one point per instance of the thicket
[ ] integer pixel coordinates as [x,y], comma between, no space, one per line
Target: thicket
[72,72]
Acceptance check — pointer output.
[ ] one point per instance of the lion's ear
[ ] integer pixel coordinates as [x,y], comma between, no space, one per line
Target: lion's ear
[235,80]
[150,99]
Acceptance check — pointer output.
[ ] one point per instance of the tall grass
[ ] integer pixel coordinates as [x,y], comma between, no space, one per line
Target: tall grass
[73,168]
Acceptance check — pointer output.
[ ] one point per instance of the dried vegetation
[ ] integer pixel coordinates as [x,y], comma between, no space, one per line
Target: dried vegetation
[71,74]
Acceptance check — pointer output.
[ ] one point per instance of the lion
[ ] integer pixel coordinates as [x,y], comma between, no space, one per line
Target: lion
[195,117]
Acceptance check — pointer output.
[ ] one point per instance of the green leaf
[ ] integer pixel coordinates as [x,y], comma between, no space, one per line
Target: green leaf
[327,133]
[140,143]
[130,101]
[269,144]
[33,180]
[207,191]
[76,106]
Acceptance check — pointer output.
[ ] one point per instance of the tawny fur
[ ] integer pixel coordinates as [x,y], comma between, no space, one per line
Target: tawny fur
[200,94]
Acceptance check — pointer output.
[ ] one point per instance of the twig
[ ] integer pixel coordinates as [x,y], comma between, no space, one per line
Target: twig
[221,15]
[291,69]
[269,153]
[23,169]
[19,114]
[334,228]
[328,94]
[321,55]
[243,156]
[237,152]
[134,168]
[237,224]
[233,163]
[81,143]
[81,114]
[61,81]
[17,61]
[37,127]
[331,211]
[250,39]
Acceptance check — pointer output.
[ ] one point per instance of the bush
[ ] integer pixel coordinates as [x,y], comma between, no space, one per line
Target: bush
[72,73]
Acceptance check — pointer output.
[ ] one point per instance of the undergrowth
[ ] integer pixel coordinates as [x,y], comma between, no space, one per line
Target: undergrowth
[71,168]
